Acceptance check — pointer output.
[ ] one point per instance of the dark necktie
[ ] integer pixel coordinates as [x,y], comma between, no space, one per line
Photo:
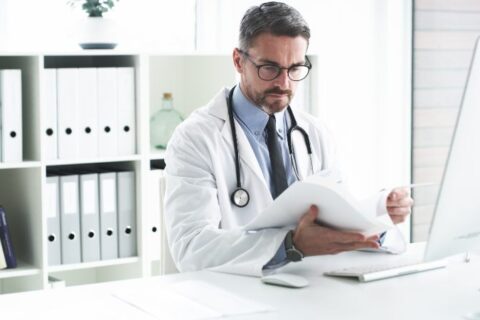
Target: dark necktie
[279,175]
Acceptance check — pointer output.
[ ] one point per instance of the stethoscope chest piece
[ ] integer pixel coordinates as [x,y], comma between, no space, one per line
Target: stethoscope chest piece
[240,197]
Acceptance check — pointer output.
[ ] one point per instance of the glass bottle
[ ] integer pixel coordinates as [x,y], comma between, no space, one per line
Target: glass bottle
[163,122]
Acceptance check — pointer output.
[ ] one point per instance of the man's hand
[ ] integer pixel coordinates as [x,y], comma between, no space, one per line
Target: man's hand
[313,239]
[399,204]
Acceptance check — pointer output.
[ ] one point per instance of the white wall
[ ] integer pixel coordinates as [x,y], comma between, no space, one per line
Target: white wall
[445,35]
[143,25]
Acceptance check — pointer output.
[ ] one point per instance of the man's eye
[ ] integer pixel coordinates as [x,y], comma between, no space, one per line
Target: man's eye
[296,68]
[270,68]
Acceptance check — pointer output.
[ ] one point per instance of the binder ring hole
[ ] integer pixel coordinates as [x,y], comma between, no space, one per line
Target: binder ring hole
[88,130]
[128,230]
[107,129]
[109,232]
[51,238]
[68,131]
[49,131]
[71,236]
[154,229]
[13,134]
[126,128]
[91,234]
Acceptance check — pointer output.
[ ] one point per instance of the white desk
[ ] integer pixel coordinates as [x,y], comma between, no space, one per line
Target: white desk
[448,293]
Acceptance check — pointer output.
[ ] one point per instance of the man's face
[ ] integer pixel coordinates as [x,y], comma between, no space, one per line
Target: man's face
[273,96]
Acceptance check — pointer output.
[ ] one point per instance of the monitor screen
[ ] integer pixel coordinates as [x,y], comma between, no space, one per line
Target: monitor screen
[456,222]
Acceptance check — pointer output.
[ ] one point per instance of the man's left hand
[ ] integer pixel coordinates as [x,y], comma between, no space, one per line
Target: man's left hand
[399,204]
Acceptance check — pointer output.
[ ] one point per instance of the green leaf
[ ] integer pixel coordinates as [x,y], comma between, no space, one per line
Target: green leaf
[95,8]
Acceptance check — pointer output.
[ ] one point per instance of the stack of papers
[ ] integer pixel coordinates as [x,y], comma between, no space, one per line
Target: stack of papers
[338,208]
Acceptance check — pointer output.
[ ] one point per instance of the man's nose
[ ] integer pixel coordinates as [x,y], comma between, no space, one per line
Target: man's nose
[283,80]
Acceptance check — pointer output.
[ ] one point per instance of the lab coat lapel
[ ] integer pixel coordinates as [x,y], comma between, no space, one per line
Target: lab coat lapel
[219,109]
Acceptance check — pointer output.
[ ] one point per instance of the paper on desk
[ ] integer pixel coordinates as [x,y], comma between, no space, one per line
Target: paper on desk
[338,208]
[190,300]
[73,304]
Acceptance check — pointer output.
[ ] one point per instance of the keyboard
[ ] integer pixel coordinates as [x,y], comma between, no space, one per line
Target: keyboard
[377,272]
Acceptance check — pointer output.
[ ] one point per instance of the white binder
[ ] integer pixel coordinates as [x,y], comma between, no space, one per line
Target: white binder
[154,225]
[107,111]
[53,221]
[50,133]
[70,219]
[89,217]
[126,133]
[67,99]
[108,216]
[87,113]
[127,227]
[11,115]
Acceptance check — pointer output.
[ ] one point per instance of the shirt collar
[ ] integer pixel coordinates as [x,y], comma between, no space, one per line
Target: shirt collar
[253,117]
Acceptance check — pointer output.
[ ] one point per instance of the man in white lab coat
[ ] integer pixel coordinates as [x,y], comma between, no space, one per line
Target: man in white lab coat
[204,212]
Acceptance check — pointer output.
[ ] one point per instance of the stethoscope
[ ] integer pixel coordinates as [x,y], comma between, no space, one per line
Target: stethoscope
[240,196]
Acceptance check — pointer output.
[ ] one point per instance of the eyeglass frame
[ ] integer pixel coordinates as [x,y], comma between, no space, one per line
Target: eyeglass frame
[308,65]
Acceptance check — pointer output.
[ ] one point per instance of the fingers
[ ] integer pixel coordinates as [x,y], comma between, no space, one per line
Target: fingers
[309,217]
[398,219]
[357,245]
[398,215]
[401,202]
[306,222]
[334,248]
[336,236]
[398,193]
[373,238]
[399,211]
[400,208]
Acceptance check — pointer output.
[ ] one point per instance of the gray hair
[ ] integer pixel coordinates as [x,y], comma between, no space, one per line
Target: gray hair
[273,17]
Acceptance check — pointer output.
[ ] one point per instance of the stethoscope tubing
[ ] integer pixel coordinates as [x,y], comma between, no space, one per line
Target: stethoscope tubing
[240,196]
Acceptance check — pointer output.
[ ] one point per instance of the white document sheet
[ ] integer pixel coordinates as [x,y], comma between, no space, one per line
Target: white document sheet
[61,304]
[338,208]
[189,300]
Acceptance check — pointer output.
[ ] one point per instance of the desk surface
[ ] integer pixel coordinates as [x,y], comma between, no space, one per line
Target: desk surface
[449,293]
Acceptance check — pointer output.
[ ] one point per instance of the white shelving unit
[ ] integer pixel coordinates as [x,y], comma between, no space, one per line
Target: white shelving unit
[22,185]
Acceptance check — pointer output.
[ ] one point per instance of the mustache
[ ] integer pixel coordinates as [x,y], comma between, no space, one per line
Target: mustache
[278,91]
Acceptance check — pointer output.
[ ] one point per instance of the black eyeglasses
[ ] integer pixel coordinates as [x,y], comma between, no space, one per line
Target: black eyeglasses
[269,72]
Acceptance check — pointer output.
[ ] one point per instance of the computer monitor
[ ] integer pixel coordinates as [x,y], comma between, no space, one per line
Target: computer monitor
[456,223]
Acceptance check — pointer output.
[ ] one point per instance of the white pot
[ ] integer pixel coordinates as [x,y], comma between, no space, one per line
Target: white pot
[97,33]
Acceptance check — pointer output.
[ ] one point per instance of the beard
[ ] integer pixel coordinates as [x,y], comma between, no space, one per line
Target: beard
[262,99]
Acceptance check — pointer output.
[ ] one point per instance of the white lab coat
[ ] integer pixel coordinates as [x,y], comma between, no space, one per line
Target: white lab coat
[203,226]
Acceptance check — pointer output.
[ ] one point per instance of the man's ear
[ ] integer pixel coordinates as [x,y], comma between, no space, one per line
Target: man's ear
[237,60]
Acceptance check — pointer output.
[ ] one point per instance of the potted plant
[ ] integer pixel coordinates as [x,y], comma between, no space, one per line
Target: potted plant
[94,8]
[97,32]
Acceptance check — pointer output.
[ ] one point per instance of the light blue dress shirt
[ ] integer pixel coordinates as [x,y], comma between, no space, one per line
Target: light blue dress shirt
[253,121]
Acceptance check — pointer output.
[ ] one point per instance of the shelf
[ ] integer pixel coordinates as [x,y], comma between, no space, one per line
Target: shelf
[156,154]
[90,265]
[16,165]
[22,269]
[24,188]
[135,157]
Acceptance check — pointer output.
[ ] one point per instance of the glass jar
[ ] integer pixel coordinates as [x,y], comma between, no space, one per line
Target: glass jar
[163,122]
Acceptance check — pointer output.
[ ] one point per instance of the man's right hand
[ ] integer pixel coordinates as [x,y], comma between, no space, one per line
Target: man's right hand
[313,239]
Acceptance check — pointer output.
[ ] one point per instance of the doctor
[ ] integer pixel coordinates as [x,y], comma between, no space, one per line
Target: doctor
[231,158]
